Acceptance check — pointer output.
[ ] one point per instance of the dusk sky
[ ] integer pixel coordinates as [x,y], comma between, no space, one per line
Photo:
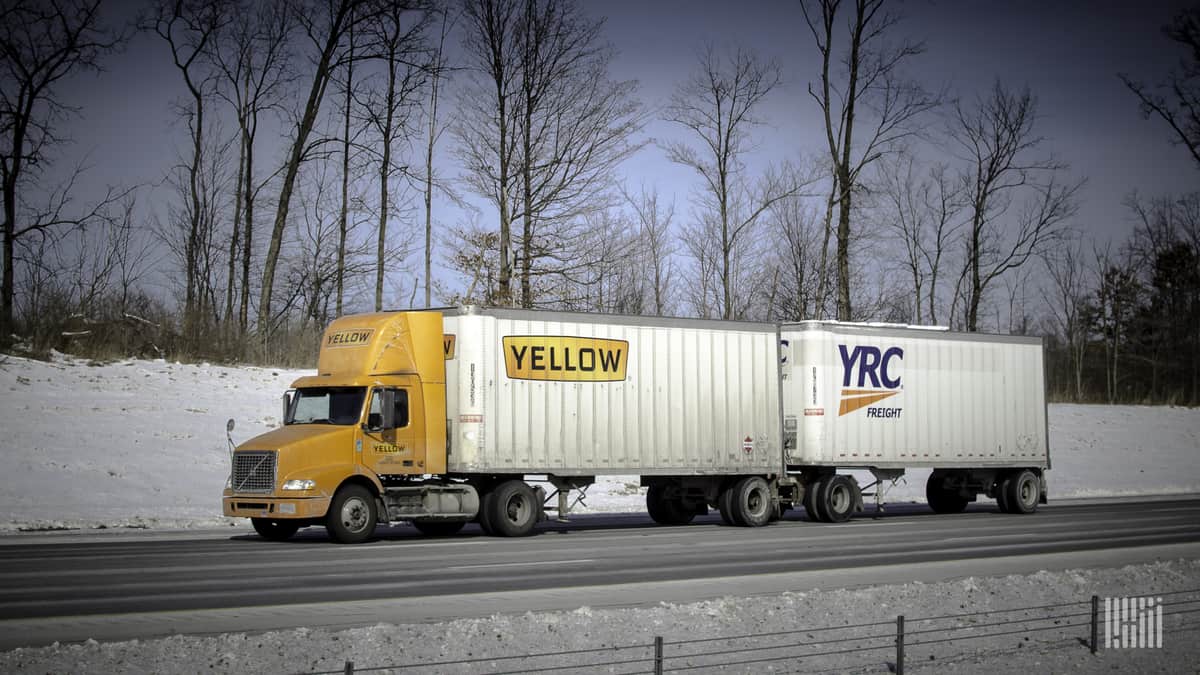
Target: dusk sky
[1069,53]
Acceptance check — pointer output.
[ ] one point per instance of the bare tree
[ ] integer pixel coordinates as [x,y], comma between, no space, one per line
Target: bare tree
[718,106]
[325,24]
[923,212]
[473,257]
[437,70]
[542,128]
[1017,201]
[42,45]
[866,109]
[252,59]
[398,42]
[655,248]
[1176,100]
[1117,296]
[1068,297]
[486,139]
[796,272]
[190,28]
[575,126]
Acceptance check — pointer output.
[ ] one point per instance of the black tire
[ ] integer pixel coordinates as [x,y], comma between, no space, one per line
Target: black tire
[810,500]
[666,510]
[725,506]
[750,504]
[1001,489]
[940,499]
[1023,492]
[777,513]
[439,528]
[482,516]
[510,510]
[837,498]
[275,530]
[351,518]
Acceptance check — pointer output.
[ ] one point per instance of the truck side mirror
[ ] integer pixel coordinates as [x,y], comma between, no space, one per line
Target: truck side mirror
[287,406]
[387,408]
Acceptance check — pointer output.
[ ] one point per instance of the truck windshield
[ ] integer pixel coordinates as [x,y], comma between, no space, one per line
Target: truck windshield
[327,405]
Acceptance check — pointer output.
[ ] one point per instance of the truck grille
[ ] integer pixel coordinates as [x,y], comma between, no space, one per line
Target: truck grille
[254,471]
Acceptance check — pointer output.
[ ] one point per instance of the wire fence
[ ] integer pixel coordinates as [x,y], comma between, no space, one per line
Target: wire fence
[885,644]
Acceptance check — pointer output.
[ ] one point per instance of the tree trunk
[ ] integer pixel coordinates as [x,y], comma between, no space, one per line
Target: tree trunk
[299,143]
[433,101]
[343,216]
[238,191]
[248,227]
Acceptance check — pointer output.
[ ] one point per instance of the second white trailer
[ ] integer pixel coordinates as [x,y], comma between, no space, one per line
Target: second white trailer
[887,398]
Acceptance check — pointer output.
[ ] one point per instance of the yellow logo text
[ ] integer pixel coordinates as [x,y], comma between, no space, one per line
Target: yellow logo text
[565,359]
[354,337]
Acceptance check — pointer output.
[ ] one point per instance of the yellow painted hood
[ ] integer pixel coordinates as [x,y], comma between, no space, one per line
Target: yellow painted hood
[298,434]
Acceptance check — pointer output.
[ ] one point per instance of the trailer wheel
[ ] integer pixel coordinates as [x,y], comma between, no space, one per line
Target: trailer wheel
[666,510]
[810,500]
[275,530]
[725,506]
[1002,489]
[1024,490]
[439,528]
[511,510]
[940,499]
[351,517]
[751,502]
[837,498]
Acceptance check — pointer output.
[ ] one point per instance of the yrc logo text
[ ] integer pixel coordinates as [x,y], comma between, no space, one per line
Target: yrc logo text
[869,375]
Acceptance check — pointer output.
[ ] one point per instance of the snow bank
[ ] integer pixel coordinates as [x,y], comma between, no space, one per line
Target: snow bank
[707,626]
[142,444]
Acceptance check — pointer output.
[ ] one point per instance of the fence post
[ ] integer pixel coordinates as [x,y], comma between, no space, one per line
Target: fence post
[900,645]
[1095,623]
[349,668]
[658,655]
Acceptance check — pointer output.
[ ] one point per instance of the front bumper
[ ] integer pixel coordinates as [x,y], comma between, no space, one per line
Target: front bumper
[254,506]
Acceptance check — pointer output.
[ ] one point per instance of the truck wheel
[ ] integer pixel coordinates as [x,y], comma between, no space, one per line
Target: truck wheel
[275,530]
[1024,489]
[810,501]
[751,502]
[1001,488]
[511,510]
[439,528]
[665,510]
[940,499]
[351,517]
[837,498]
[725,506]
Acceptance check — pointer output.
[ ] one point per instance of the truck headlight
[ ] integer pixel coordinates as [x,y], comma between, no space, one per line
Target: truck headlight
[300,484]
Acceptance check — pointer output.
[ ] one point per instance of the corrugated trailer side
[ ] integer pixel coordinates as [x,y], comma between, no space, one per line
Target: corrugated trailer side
[896,397]
[574,394]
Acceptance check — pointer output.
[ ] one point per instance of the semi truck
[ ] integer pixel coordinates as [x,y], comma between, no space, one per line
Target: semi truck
[505,417]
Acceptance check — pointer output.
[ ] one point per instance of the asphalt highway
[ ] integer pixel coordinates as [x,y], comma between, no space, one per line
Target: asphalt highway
[125,585]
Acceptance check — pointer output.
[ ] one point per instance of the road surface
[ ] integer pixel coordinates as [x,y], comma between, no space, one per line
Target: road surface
[114,585]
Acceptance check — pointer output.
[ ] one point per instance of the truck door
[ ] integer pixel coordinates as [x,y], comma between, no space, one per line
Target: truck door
[393,450]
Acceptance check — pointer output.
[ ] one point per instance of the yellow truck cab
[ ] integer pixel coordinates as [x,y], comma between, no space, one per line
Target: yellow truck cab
[373,416]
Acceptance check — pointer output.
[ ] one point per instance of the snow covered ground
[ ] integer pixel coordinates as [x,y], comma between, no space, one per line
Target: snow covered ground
[142,444]
[1056,646]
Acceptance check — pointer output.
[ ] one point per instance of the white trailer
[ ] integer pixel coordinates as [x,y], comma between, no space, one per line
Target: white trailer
[885,398]
[748,418]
